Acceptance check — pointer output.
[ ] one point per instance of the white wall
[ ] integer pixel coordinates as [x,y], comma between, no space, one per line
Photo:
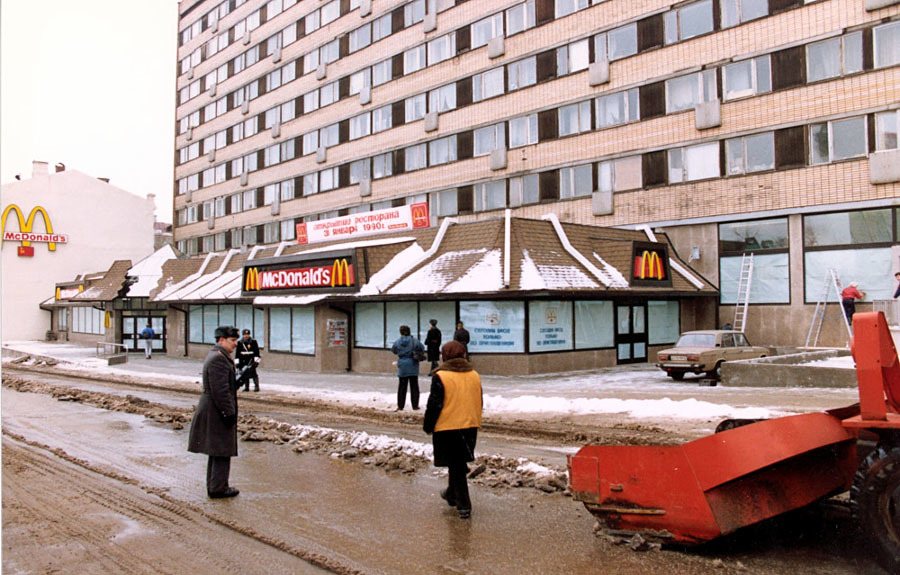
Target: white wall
[103,223]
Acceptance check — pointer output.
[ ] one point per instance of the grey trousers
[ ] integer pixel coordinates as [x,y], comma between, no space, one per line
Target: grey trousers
[217,471]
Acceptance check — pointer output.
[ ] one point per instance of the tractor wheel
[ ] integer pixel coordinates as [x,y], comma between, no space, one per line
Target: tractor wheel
[875,497]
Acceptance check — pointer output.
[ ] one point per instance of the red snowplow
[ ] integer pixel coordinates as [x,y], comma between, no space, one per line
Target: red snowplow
[692,493]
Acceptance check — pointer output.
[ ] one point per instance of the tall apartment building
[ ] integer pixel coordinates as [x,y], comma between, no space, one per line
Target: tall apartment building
[736,126]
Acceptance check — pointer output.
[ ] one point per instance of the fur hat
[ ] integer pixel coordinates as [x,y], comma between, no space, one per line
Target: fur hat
[226,331]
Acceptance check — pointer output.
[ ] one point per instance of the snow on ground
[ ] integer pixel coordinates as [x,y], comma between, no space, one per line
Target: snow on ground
[843,362]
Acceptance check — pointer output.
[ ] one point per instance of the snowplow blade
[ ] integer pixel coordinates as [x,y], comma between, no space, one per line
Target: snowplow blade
[692,493]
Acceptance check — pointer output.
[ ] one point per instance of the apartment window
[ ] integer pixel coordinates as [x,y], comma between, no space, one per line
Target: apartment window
[272,117]
[487,85]
[329,136]
[270,232]
[359,170]
[209,177]
[288,73]
[382,165]
[331,51]
[834,57]
[747,78]
[575,118]
[251,126]
[442,151]
[381,28]
[520,18]
[249,200]
[287,150]
[289,35]
[413,13]
[575,182]
[736,12]
[414,108]
[312,22]
[573,57]
[837,140]
[620,174]
[523,131]
[750,154]
[619,108]
[273,8]
[886,124]
[360,126]
[381,72]
[287,230]
[328,94]
[288,111]
[287,190]
[522,73]
[693,163]
[236,237]
[310,101]
[566,7]
[490,195]
[220,206]
[219,241]
[310,142]
[416,157]
[250,235]
[311,61]
[272,156]
[887,44]
[310,184]
[193,213]
[490,138]
[236,203]
[486,29]
[616,44]
[442,99]
[360,80]
[688,21]
[441,48]
[687,91]
[331,12]
[382,119]
[328,179]
[360,38]
[524,190]
[220,173]
[447,203]
[413,59]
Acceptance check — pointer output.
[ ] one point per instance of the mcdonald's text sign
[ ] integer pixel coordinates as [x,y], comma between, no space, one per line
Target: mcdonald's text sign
[26,235]
[290,275]
[650,264]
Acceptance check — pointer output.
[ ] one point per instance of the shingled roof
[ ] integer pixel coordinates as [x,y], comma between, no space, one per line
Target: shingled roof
[95,287]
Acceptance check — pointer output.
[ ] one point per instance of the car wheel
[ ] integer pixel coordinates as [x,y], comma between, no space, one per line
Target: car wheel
[676,375]
[716,372]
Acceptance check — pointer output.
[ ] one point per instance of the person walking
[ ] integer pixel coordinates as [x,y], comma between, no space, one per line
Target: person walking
[433,344]
[147,336]
[452,418]
[214,426]
[849,296]
[462,336]
[407,349]
[248,356]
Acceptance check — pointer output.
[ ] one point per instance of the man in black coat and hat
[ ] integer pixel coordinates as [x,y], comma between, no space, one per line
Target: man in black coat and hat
[433,343]
[214,426]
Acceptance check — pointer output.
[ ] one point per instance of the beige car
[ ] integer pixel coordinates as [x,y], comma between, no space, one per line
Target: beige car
[705,351]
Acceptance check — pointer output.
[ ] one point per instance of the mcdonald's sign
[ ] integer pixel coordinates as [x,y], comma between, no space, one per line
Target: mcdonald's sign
[290,275]
[650,264]
[26,235]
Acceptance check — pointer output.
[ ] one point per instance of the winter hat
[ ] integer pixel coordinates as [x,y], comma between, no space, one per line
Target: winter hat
[226,331]
[452,350]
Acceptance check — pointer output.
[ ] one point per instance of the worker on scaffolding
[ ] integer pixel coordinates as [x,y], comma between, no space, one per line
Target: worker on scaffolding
[849,296]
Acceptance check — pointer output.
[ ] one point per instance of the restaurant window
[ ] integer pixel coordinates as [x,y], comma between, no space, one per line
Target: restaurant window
[494,326]
[593,324]
[86,319]
[292,330]
[397,314]
[767,240]
[550,326]
[445,314]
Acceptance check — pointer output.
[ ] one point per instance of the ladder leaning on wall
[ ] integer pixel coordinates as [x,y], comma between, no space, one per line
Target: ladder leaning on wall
[743,297]
[831,281]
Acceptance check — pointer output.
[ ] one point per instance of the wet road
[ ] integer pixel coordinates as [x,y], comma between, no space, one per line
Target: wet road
[370,521]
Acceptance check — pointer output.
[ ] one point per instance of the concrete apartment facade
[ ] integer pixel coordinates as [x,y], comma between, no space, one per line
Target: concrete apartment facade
[737,127]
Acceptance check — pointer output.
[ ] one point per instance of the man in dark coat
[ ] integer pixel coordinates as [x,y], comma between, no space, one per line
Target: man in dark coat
[214,427]
[453,415]
[462,336]
[248,355]
[406,348]
[433,344]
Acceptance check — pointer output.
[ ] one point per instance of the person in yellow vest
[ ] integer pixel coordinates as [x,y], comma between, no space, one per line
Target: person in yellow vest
[453,415]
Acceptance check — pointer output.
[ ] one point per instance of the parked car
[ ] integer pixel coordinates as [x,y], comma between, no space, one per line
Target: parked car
[705,352]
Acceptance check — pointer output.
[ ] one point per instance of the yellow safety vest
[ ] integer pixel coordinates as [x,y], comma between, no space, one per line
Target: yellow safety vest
[462,400]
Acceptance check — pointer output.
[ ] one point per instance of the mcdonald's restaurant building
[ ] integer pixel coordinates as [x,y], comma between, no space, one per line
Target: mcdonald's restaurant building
[536,296]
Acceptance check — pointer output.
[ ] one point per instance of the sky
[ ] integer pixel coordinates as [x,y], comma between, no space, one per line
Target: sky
[91,84]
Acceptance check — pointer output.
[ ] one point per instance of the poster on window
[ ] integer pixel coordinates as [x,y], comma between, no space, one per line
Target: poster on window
[494,326]
[550,325]
[337,332]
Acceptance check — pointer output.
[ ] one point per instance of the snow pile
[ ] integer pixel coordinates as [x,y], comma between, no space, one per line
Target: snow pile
[362,441]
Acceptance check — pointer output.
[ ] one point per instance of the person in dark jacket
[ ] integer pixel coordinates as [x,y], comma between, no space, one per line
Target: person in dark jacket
[214,426]
[453,416]
[405,349]
[248,356]
[462,336]
[147,336]
[433,343]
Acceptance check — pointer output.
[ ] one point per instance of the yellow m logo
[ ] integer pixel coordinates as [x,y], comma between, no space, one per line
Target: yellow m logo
[25,225]
[251,280]
[341,273]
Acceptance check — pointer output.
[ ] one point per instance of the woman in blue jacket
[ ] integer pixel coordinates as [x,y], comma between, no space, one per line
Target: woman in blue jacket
[406,348]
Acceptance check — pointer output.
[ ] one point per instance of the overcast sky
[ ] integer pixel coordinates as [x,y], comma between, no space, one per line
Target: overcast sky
[91,84]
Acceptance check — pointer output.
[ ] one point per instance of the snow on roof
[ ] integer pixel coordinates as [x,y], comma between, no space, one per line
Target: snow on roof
[148,271]
[439,274]
[221,287]
[398,265]
[486,275]
[90,293]
[288,299]
[359,244]
[535,277]
[614,273]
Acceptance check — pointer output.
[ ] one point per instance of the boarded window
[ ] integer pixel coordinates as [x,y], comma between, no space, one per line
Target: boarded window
[464,145]
[653,167]
[463,39]
[464,202]
[650,33]
[546,66]
[463,92]
[549,186]
[790,148]
[653,100]
[548,125]
[789,68]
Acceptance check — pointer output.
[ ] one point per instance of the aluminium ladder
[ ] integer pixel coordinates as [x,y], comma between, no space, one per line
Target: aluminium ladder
[743,298]
[831,281]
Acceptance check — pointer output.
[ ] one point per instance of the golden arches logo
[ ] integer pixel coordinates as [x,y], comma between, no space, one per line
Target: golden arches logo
[341,273]
[251,280]
[26,224]
[650,266]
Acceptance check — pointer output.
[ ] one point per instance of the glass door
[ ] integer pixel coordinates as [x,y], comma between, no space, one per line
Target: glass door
[631,333]
[132,326]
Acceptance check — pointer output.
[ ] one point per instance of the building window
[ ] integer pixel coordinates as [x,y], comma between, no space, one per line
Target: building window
[287,190]
[381,72]
[522,74]
[236,204]
[663,321]
[520,18]
[382,119]
[619,175]
[693,163]
[236,238]
[381,28]
[524,190]
[331,12]
[415,157]
[414,108]
[523,131]
[442,151]
[688,21]
[369,325]
[594,321]
[887,44]
[329,136]
[573,57]
[414,60]
[441,48]
[270,232]
[269,194]
[360,80]
[490,138]
[310,101]
[219,241]
[442,99]
[310,184]
[495,326]
[272,156]
[328,94]
[328,179]
[736,12]
[87,320]
[615,44]
[487,84]
[446,203]
[565,7]
[575,119]
[220,206]
[886,124]
[310,142]
[360,126]
[486,29]
[311,61]
[575,182]
[413,13]
[207,244]
[359,170]
[834,57]
[767,240]
[360,38]
[287,230]
[249,200]
[490,195]
[750,154]
[619,108]
[549,326]
[747,78]
[837,140]
[382,165]
[292,330]
[686,92]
